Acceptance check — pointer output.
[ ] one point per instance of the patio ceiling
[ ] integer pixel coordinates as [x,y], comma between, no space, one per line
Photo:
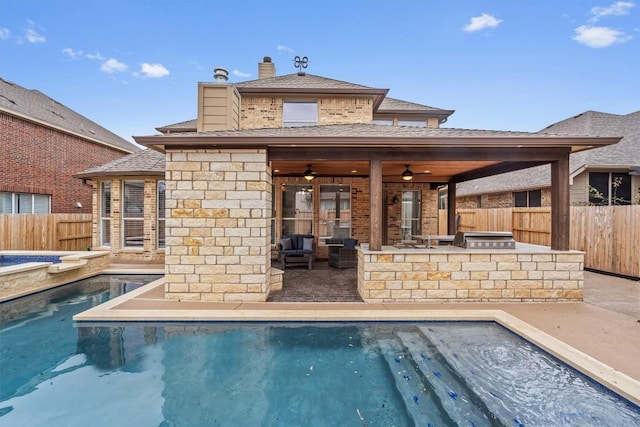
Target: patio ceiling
[424,171]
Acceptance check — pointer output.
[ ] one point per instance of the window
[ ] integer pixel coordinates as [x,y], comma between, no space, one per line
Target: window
[335,212]
[297,209]
[133,213]
[25,203]
[299,113]
[410,213]
[414,123]
[530,199]
[383,122]
[162,190]
[105,213]
[273,214]
[607,188]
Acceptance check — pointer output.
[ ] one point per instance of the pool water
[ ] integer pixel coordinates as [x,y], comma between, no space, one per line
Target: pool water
[6,260]
[56,373]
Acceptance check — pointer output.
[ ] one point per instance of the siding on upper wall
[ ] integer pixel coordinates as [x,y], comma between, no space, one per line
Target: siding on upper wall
[218,107]
[578,191]
[41,160]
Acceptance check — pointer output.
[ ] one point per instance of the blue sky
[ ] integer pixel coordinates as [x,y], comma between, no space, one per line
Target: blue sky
[134,65]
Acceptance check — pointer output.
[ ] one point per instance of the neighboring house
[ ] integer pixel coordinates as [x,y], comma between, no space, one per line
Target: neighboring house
[42,144]
[604,176]
[304,154]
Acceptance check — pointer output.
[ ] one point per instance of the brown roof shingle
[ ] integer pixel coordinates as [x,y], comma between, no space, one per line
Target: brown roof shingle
[145,162]
[35,105]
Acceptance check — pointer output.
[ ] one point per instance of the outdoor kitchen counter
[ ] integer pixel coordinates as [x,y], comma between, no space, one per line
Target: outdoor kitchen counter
[452,274]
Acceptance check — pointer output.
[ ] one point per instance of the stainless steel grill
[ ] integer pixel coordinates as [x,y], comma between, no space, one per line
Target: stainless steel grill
[484,240]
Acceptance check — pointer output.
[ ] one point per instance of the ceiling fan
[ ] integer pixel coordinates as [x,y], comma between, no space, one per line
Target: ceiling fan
[407,175]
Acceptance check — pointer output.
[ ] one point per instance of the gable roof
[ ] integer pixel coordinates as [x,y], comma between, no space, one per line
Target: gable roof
[392,105]
[33,105]
[144,162]
[624,154]
[301,82]
[186,126]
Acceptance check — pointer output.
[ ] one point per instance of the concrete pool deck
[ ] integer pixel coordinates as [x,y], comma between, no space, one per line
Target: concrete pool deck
[600,336]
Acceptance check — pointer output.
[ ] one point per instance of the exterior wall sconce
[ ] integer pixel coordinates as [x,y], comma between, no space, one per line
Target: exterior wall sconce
[309,174]
[395,199]
[407,175]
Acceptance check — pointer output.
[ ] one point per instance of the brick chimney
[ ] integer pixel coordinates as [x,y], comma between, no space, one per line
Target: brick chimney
[266,68]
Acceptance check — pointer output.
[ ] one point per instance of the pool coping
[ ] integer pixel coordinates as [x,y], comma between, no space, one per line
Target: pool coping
[143,305]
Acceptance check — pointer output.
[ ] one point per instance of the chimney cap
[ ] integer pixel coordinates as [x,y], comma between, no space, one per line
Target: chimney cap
[220,74]
[266,59]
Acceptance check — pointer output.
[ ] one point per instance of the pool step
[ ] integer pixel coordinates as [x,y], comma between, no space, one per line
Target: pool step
[66,265]
[459,401]
[419,399]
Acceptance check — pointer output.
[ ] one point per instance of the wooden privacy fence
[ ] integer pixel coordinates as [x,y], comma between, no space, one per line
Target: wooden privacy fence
[609,235]
[40,232]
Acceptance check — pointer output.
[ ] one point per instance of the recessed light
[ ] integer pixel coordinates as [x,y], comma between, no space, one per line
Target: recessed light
[276,170]
[427,171]
[354,171]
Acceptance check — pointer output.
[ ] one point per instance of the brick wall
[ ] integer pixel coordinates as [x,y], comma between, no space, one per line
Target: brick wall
[429,205]
[266,112]
[37,159]
[497,200]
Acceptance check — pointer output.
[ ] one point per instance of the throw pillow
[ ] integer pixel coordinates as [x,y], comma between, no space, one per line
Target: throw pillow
[307,244]
[286,244]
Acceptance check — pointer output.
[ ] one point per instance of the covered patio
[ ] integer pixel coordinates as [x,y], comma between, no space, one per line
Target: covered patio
[224,190]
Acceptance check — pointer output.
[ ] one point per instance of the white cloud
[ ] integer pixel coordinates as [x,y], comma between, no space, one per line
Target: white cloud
[597,37]
[482,22]
[4,34]
[241,74]
[33,36]
[619,8]
[72,53]
[112,66]
[282,48]
[94,56]
[153,71]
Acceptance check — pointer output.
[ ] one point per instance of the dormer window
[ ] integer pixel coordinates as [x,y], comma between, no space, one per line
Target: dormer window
[299,113]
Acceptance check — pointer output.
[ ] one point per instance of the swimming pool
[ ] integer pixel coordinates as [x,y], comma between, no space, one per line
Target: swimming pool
[374,374]
[6,260]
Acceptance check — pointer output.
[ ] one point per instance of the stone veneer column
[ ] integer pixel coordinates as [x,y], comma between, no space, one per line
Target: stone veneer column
[218,225]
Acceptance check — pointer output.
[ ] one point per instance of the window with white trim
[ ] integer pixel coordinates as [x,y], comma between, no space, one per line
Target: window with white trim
[133,213]
[297,209]
[527,199]
[609,188]
[105,213]
[162,189]
[25,203]
[411,213]
[299,113]
[335,212]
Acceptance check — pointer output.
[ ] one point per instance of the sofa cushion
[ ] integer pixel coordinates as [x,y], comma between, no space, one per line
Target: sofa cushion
[307,244]
[286,244]
[350,243]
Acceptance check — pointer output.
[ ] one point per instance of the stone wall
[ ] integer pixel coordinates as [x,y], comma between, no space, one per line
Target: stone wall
[23,279]
[218,225]
[457,275]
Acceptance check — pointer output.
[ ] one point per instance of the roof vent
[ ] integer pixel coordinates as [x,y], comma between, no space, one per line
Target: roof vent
[221,75]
